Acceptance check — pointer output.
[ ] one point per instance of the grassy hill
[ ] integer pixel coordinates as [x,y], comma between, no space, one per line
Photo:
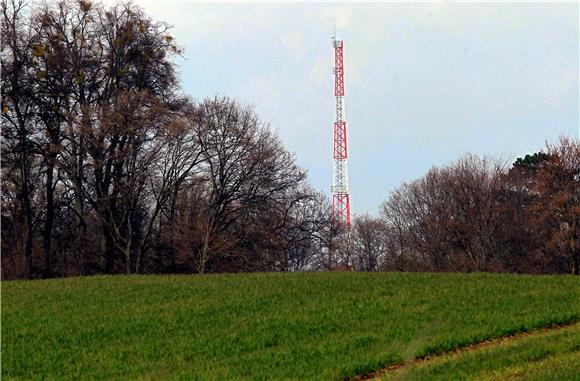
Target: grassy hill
[263,326]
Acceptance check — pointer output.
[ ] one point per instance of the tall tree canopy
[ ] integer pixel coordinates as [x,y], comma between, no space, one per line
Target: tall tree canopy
[107,167]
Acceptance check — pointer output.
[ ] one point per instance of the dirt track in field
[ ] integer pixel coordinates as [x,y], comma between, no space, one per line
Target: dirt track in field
[376,375]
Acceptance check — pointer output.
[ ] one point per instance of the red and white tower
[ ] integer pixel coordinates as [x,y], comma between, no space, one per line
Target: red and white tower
[340,193]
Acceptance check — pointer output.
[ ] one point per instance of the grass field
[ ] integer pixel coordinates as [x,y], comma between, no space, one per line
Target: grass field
[270,326]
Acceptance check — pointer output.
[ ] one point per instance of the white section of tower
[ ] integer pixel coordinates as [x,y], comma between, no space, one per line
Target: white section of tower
[340,168]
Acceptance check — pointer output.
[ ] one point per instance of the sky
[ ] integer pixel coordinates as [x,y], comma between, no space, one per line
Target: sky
[425,82]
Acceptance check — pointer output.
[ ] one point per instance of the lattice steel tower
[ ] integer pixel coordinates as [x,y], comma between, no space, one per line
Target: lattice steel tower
[339,189]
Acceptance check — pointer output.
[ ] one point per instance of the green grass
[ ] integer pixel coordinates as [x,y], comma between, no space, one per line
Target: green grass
[263,326]
[553,355]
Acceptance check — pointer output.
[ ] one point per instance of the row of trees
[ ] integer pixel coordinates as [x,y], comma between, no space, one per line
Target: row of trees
[106,167]
[479,215]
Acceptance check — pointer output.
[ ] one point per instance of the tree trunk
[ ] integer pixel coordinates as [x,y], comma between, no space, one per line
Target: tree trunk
[107,250]
[140,253]
[49,223]
[27,215]
[77,183]
[25,200]
[128,262]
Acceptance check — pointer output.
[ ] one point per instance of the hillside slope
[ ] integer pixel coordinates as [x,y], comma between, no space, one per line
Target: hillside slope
[263,326]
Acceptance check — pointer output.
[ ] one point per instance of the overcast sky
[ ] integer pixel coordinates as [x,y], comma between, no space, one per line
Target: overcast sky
[425,82]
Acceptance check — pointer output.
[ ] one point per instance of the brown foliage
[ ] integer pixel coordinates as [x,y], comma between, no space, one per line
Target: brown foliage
[555,211]
[476,215]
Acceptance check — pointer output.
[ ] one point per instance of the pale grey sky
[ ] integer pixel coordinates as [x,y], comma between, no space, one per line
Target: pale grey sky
[425,82]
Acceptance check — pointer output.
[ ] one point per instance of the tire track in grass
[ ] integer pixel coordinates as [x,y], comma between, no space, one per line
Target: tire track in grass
[499,342]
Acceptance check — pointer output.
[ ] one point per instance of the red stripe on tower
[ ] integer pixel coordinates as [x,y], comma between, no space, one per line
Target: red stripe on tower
[340,192]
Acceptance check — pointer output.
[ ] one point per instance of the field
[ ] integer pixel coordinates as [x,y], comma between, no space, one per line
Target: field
[553,355]
[285,326]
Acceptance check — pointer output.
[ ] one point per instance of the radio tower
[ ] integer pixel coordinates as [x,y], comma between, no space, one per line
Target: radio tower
[339,189]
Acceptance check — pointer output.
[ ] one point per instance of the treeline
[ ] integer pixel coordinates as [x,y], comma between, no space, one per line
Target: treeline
[107,168]
[479,215]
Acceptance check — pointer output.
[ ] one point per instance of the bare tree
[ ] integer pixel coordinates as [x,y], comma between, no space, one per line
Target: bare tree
[451,217]
[18,114]
[370,242]
[246,177]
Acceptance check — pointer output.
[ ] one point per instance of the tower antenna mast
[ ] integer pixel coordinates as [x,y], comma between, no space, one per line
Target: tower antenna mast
[339,189]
